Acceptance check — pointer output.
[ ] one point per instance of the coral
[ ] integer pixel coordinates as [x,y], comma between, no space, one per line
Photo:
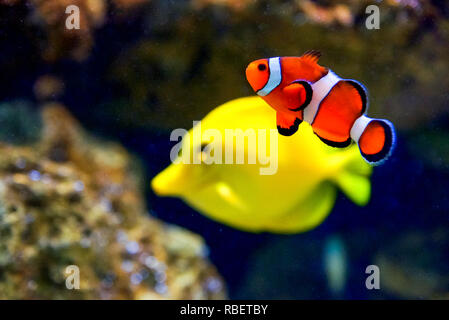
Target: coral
[233,4]
[48,87]
[50,16]
[70,199]
[335,14]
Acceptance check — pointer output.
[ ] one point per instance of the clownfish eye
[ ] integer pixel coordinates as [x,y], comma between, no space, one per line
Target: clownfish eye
[262,67]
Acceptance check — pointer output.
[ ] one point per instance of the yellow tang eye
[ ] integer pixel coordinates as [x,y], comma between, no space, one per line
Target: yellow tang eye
[201,154]
[203,149]
[203,146]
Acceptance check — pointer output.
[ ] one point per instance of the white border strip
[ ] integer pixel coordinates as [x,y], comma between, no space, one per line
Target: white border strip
[275,77]
[359,126]
[320,90]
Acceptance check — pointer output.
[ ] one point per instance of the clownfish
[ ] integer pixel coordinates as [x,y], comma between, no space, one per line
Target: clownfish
[299,89]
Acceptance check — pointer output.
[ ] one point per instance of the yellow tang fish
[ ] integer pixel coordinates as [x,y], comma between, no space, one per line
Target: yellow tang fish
[295,198]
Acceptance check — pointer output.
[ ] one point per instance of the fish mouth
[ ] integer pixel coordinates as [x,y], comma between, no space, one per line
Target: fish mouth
[178,180]
[165,183]
[255,84]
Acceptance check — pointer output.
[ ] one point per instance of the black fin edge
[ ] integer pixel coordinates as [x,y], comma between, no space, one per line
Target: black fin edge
[362,92]
[291,130]
[335,144]
[314,53]
[380,157]
[309,93]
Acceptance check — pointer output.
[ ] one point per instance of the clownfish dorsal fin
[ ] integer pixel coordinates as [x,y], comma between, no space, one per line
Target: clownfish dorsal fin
[312,55]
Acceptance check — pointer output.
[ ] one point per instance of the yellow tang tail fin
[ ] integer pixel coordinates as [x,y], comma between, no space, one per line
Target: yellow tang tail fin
[353,176]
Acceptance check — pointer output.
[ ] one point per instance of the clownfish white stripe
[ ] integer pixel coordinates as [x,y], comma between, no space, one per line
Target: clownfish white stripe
[320,90]
[359,127]
[274,65]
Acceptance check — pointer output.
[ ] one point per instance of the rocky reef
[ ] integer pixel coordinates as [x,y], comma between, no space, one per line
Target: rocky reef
[69,199]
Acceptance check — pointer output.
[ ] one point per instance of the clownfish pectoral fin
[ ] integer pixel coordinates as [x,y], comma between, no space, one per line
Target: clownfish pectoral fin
[375,138]
[312,55]
[335,144]
[299,91]
[287,124]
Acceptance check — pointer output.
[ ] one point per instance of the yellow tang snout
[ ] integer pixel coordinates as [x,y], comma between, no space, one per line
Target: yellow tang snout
[180,179]
[169,182]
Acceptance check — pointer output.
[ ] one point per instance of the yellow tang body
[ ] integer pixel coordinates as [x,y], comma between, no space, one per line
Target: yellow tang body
[298,197]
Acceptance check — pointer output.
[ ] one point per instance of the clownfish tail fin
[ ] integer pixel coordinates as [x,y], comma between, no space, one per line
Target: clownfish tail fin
[375,138]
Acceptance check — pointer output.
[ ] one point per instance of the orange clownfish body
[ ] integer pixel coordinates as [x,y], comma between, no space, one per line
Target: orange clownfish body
[299,89]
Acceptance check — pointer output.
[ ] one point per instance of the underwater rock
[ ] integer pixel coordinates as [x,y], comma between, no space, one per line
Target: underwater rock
[72,200]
